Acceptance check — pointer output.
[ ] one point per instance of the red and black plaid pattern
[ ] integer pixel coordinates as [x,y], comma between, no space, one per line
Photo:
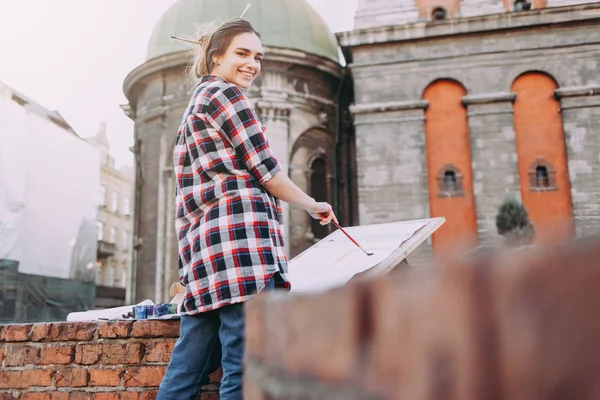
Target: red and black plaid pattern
[230,229]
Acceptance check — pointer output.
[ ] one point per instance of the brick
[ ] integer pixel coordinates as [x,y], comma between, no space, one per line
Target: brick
[115,330]
[60,396]
[105,377]
[216,376]
[87,354]
[57,354]
[398,312]
[36,377]
[159,351]
[19,356]
[10,379]
[157,328]
[301,330]
[40,332]
[9,396]
[545,306]
[150,395]
[254,315]
[127,353]
[36,396]
[252,391]
[15,333]
[71,377]
[457,349]
[80,396]
[1,355]
[106,396]
[146,395]
[148,376]
[64,331]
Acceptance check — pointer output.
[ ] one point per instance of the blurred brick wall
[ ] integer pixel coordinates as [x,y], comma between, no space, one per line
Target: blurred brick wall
[87,360]
[520,325]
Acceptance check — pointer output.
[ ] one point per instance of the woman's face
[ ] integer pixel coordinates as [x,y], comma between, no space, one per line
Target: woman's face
[241,62]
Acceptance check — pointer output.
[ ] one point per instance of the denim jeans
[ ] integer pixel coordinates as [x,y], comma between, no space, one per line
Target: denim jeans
[207,340]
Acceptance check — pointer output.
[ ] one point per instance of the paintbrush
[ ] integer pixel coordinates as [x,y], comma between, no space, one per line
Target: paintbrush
[349,237]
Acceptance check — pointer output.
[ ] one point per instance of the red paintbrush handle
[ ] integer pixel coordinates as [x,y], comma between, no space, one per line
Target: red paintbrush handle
[345,233]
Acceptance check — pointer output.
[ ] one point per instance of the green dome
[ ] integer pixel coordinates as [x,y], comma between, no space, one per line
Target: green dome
[291,24]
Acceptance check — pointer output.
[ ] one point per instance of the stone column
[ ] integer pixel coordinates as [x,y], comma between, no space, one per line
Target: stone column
[391,163]
[494,157]
[275,116]
[580,107]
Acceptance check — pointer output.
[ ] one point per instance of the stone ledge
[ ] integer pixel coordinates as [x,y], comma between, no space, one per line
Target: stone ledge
[489,98]
[570,15]
[577,91]
[389,106]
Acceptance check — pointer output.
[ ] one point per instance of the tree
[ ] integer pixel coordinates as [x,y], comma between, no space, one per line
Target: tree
[512,222]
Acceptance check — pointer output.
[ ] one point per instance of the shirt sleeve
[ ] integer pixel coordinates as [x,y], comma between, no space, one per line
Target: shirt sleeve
[231,113]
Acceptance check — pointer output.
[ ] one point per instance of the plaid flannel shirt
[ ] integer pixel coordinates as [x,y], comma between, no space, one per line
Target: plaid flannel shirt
[229,228]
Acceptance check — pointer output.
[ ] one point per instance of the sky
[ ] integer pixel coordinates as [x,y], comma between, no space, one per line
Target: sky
[73,55]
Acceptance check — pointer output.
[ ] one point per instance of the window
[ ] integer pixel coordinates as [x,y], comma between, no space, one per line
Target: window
[102,195]
[450,182]
[115,202]
[522,5]
[542,176]
[318,190]
[100,229]
[113,234]
[124,240]
[439,14]
[126,210]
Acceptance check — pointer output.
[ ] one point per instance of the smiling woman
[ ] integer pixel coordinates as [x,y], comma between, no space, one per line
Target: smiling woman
[229,221]
[234,54]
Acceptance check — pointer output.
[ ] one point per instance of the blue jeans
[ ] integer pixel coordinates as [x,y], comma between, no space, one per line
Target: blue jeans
[207,340]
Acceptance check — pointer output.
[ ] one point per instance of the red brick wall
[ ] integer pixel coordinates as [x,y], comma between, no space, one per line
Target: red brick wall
[539,133]
[448,141]
[87,360]
[518,326]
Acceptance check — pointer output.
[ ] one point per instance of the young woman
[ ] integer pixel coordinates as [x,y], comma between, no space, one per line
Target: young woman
[228,217]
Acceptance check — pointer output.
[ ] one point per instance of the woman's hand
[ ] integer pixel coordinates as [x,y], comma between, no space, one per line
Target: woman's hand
[323,211]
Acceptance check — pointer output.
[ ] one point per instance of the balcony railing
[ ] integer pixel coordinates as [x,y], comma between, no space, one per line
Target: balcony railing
[106,249]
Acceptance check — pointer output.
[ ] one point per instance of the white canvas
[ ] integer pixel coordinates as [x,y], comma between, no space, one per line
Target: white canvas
[334,260]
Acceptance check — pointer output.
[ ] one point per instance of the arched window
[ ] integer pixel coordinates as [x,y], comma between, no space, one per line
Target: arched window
[542,176]
[521,5]
[318,190]
[450,182]
[439,14]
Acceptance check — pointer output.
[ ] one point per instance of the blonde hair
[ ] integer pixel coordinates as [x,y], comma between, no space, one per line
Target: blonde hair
[214,39]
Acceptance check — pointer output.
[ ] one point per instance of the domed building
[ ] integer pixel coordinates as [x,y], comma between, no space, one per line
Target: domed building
[300,97]
[445,108]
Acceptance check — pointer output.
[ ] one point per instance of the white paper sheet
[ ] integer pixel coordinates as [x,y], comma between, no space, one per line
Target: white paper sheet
[108,313]
[334,260]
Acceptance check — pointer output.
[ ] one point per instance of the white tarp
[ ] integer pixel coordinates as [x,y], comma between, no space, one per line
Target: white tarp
[49,184]
[334,260]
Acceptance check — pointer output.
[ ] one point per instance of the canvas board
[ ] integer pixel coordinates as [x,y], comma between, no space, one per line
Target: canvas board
[335,260]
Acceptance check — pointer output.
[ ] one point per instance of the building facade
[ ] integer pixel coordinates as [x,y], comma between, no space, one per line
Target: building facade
[474,103]
[444,108]
[114,223]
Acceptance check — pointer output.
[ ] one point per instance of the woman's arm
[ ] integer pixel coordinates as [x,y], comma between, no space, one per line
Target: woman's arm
[282,187]
[232,114]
